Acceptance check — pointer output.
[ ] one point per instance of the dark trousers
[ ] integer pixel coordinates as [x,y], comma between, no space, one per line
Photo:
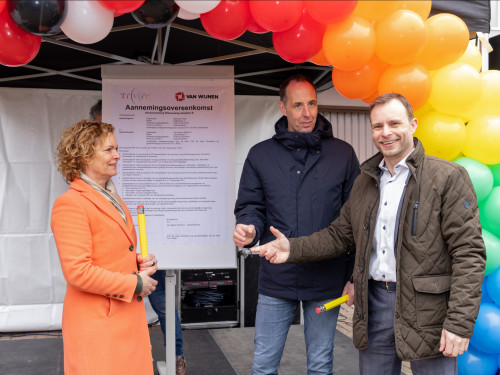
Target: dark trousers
[380,356]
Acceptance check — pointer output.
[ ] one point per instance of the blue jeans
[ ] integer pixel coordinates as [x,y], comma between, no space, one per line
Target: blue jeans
[272,322]
[157,300]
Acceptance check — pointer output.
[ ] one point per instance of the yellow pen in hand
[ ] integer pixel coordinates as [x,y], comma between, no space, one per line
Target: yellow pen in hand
[332,304]
[141,219]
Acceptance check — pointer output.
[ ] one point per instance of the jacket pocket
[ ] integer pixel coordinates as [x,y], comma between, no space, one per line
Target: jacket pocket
[431,299]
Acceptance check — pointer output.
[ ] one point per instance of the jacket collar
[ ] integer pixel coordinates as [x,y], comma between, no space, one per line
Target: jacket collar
[105,206]
[414,160]
[308,141]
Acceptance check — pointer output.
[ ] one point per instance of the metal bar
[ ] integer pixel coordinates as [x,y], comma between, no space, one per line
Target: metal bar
[53,73]
[164,51]
[256,85]
[155,48]
[237,42]
[92,51]
[221,58]
[159,38]
[320,77]
[266,72]
[62,73]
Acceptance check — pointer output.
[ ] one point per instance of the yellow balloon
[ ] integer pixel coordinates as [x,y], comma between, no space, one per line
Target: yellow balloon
[455,88]
[423,110]
[483,140]
[442,135]
[489,101]
[472,56]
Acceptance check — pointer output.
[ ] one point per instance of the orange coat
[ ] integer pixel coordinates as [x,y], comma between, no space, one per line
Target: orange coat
[104,324]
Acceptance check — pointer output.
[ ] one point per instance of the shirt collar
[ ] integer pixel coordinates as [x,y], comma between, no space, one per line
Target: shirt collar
[402,163]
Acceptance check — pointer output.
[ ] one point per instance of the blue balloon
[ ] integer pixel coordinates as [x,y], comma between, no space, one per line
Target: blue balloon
[476,362]
[493,287]
[485,297]
[486,335]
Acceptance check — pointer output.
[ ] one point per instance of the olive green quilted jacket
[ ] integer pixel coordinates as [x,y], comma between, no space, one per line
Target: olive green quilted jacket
[439,250]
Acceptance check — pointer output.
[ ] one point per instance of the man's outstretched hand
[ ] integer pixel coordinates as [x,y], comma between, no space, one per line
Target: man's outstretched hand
[276,251]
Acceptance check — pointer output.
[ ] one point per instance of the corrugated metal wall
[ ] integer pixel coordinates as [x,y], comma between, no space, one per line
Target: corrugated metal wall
[354,128]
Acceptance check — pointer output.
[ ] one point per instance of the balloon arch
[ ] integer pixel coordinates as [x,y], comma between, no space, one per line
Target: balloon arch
[373,47]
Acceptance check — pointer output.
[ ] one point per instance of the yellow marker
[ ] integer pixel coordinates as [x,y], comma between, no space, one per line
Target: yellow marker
[141,219]
[332,304]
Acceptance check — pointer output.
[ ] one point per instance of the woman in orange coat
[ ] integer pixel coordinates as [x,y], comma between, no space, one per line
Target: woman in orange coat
[104,321]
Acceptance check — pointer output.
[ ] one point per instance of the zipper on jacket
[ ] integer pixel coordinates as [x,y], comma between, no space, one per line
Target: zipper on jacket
[365,249]
[414,220]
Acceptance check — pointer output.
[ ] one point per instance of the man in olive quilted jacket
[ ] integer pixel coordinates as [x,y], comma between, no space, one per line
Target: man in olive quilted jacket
[420,256]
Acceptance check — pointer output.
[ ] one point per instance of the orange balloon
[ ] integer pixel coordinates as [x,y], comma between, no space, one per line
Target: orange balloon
[401,37]
[350,44]
[371,98]
[361,83]
[448,40]
[421,7]
[319,59]
[413,81]
[375,10]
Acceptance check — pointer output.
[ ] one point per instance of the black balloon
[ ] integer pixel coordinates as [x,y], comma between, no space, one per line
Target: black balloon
[40,17]
[156,13]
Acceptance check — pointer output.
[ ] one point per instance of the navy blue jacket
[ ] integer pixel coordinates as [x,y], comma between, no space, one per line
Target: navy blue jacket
[297,182]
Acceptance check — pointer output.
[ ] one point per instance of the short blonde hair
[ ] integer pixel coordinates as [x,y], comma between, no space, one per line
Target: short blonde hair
[77,146]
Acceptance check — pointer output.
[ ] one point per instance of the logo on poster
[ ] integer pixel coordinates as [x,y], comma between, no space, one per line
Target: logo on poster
[179,96]
[135,96]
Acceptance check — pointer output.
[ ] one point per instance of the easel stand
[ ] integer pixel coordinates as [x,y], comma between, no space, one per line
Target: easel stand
[168,367]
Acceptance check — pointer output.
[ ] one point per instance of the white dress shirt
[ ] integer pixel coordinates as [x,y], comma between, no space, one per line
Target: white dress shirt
[383,258]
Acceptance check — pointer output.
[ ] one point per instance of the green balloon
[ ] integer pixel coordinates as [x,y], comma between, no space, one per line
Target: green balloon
[489,212]
[495,169]
[480,175]
[492,244]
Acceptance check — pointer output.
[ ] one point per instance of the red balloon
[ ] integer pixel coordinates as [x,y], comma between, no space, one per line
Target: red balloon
[301,42]
[254,27]
[2,4]
[121,7]
[17,47]
[228,20]
[328,12]
[275,15]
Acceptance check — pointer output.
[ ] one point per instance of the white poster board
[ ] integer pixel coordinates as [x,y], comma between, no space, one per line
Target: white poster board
[175,133]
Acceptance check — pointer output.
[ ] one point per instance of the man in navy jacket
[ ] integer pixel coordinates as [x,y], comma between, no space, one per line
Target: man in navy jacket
[297,181]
